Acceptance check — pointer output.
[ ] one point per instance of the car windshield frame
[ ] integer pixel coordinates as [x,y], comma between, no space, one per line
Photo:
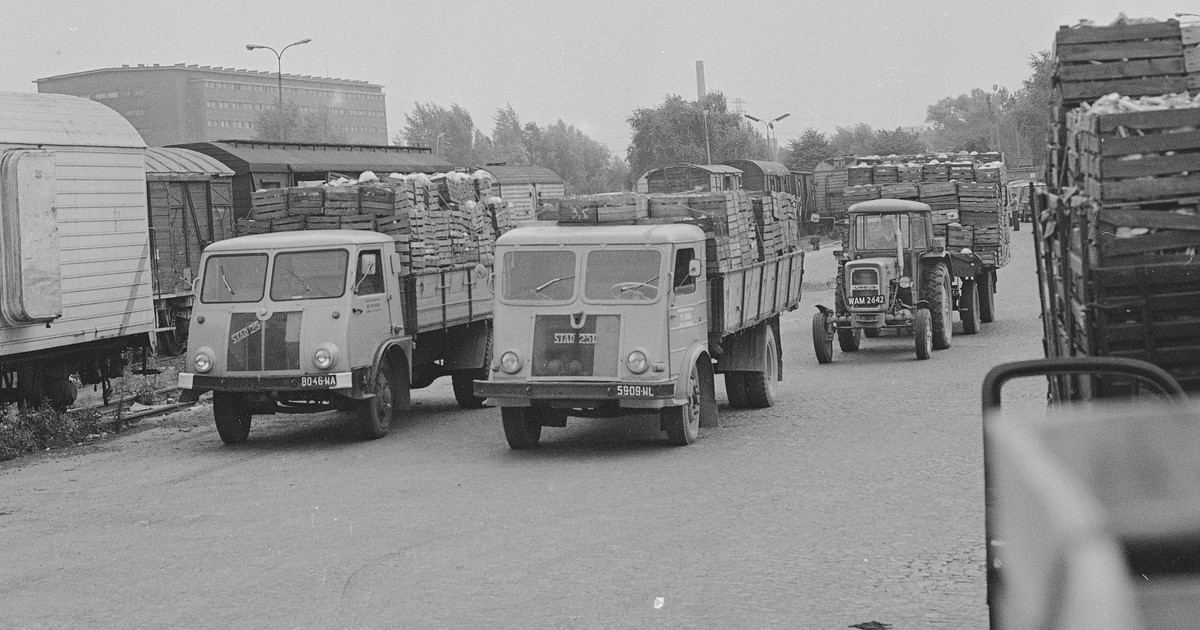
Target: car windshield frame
[544,275]
[301,283]
[629,283]
[233,275]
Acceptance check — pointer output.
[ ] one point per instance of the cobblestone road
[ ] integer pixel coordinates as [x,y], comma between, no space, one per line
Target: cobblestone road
[857,498]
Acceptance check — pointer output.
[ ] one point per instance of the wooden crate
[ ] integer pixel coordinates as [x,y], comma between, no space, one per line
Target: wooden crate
[1130,59]
[1137,156]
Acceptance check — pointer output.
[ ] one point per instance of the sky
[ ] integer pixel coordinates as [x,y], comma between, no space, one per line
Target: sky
[588,63]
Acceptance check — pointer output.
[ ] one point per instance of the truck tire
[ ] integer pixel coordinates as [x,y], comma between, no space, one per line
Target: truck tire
[374,415]
[682,423]
[232,416]
[849,339]
[735,387]
[760,386]
[969,311]
[923,332]
[872,333]
[464,388]
[822,340]
[987,296]
[936,291]
[522,427]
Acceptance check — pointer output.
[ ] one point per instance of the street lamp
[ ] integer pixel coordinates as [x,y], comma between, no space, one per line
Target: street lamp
[279,71]
[437,146]
[770,126]
[1187,14]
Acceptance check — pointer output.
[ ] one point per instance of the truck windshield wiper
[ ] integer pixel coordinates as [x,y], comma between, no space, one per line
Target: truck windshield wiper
[539,288]
[226,282]
[301,280]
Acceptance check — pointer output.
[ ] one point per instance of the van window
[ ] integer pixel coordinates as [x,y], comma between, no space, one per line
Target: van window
[368,277]
[537,275]
[622,275]
[309,275]
[684,283]
[234,278]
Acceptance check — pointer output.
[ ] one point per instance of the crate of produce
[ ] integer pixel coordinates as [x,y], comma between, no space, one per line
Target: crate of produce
[860,175]
[1131,59]
[906,190]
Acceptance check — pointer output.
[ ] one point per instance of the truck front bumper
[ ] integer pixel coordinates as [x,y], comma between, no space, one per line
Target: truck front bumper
[632,395]
[259,383]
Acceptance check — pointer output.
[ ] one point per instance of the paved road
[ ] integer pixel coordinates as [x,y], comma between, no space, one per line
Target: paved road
[857,498]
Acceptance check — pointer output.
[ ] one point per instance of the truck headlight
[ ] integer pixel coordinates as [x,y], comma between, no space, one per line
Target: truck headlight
[325,356]
[203,361]
[904,282]
[510,362]
[637,362]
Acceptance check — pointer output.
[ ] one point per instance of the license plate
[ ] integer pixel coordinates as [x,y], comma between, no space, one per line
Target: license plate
[866,300]
[634,391]
[319,381]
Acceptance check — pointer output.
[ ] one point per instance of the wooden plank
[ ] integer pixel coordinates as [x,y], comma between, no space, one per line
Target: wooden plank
[1148,189]
[1117,51]
[1084,35]
[1115,276]
[1148,219]
[1150,165]
[1156,119]
[1152,86]
[1154,143]
[1131,69]
[1111,245]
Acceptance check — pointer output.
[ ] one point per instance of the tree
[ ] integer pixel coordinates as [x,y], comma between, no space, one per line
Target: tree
[289,125]
[1028,115]
[450,132]
[967,122]
[898,142]
[810,149]
[318,127]
[681,131]
[508,137]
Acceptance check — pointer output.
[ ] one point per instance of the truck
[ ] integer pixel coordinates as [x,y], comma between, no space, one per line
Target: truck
[896,275]
[318,320]
[632,303]
[75,269]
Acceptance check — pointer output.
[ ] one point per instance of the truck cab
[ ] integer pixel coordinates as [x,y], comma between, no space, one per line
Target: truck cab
[299,321]
[597,321]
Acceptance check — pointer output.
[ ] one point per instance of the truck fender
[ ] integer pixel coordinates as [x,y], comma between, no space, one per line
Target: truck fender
[700,357]
[399,352]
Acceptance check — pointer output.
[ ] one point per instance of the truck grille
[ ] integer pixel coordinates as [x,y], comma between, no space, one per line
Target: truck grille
[562,349]
[271,344]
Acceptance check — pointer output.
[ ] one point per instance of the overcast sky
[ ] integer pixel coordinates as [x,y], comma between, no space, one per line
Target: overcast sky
[589,63]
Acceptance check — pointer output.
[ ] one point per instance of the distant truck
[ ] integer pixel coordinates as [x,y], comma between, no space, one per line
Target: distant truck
[636,314]
[75,264]
[309,321]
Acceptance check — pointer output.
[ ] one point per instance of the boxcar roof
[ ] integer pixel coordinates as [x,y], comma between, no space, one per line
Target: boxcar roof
[176,161]
[62,120]
[763,166]
[247,155]
[523,175]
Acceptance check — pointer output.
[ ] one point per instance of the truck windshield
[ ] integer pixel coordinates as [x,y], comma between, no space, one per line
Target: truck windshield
[309,275]
[622,275]
[234,278]
[539,275]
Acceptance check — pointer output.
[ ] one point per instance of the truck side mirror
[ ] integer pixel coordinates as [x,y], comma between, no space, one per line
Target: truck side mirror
[397,263]
[366,265]
[695,268]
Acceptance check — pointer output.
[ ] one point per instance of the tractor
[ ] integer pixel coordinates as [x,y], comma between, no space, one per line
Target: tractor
[894,274]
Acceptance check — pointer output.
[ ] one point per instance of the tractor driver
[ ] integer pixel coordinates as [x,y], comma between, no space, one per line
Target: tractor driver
[881,234]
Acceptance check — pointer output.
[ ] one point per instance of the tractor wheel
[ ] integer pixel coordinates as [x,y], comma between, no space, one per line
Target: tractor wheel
[760,386]
[822,340]
[682,423]
[937,293]
[232,417]
[849,339]
[522,427]
[987,296]
[923,332]
[872,333]
[735,387]
[969,311]
[374,415]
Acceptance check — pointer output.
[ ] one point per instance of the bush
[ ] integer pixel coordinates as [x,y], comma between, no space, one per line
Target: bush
[24,430]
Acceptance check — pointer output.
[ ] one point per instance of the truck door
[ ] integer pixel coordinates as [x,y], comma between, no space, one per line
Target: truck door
[371,319]
[687,313]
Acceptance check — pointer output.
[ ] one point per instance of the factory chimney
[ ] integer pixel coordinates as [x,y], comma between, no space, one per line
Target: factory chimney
[700,91]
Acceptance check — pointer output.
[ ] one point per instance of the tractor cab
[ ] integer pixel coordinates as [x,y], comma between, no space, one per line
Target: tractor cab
[887,239]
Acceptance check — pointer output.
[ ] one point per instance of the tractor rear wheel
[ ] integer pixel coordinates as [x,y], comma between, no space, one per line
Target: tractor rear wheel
[987,296]
[822,339]
[849,339]
[923,332]
[969,311]
[936,291]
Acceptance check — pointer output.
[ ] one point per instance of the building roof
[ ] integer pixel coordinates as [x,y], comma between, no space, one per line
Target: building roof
[767,167]
[252,155]
[720,169]
[61,120]
[178,161]
[194,68]
[523,175]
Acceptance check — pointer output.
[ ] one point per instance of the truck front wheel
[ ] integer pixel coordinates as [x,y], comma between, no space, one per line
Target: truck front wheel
[522,427]
[682,423]
[464,388]
[374,415]
[232,416]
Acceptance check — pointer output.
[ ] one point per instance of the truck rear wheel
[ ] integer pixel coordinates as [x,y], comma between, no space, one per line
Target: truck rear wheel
[735,387]
[682,423]
[923,333]
[987,296]
[937,294]
[822,339]
[374,415]
[232,416]
[849,339]
[464,388]
[760,386]
[522,427]
[969,301]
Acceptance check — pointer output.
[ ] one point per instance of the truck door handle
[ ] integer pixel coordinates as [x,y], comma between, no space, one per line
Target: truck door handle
[356,310]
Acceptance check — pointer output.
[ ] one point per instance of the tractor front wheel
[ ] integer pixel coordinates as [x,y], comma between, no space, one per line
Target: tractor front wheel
[822,338]
[923,333]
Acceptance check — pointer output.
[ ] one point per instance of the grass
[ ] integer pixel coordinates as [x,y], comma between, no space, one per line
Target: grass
[26,430]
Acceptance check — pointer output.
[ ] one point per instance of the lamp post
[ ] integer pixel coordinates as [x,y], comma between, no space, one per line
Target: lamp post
[770,126]
[437,145]
[279,73]
[1188,15]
